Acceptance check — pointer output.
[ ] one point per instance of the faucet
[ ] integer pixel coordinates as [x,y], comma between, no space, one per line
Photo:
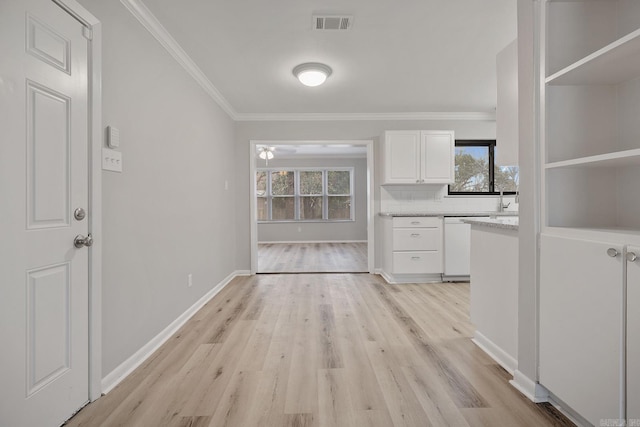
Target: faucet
[502,206]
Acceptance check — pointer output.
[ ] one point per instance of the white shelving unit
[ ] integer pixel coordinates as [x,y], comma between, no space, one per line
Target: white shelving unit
[616,63]
[590,205]
[617,159]
[591,105]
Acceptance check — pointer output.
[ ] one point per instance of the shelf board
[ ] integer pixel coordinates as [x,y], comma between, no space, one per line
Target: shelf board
[616,63]
[621,235]
[616,159]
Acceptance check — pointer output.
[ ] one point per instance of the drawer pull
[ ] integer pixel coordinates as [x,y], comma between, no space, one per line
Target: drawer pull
[415,235]
[415,222]
[415,258]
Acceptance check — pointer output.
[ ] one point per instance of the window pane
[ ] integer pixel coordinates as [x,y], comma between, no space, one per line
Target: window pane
[262,209]
[283,208]
[311,207]
[339,182]
[311,182]
[472,169]
[261,183]
[506,178]
[339,207]
[282,183]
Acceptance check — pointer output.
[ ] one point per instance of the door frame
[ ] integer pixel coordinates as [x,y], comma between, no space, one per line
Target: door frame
[77,11]
[253,226]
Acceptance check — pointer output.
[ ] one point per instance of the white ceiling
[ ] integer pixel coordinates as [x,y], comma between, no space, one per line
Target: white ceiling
[399,57]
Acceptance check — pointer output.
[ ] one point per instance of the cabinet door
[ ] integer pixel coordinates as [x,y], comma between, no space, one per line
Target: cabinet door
[633,334]
[402,157]
[438,154]
[581,302]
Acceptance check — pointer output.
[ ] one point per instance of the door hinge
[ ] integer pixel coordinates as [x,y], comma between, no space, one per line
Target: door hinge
[87,33]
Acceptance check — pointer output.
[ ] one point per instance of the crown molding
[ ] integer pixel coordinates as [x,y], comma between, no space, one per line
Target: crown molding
[140,11]
[259,117]
[148,20]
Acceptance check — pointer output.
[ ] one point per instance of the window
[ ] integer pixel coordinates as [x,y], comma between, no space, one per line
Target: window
[476,172]
[304,194]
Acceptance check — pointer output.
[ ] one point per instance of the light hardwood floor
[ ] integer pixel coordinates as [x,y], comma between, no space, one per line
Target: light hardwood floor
[322,350]
[312,257]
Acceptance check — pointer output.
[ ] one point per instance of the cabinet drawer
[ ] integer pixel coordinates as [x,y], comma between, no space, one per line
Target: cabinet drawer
[423,262]
[411,222]
[416,239]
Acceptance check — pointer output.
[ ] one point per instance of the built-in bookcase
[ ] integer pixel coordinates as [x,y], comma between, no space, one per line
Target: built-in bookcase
[591,114]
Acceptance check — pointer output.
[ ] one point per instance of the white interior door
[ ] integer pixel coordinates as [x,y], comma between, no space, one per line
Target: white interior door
[43,180]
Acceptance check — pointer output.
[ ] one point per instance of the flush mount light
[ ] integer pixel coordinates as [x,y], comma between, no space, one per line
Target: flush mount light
[312,73]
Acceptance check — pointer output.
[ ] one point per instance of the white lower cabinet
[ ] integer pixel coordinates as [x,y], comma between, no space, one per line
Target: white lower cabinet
[582,324]
[633,333]
[412,247]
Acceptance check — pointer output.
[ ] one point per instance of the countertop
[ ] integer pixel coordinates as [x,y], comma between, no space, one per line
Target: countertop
[450,214]
[509,223]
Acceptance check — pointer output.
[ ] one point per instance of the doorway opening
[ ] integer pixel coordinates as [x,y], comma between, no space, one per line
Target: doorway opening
[311,208]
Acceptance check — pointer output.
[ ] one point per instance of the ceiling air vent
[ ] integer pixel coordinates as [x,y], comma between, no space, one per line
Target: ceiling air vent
[332,22]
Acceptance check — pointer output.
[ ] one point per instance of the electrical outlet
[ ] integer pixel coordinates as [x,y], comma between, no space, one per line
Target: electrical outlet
[189,280]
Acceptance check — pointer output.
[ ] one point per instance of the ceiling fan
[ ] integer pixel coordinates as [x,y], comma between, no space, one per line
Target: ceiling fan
[266,152]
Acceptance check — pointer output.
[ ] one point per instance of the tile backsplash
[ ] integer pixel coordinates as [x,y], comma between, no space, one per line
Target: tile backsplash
[434,198]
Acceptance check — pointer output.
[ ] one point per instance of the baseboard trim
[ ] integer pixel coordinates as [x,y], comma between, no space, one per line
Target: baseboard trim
[397,279]
[531,389]
[128,366]
[503,358]
[462,278]
[307,242]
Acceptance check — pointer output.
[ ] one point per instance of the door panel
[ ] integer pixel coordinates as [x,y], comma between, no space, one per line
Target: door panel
[46,44]
[633,336]
[581,297]
[43,177]
[402,157]
[438,157]
[48,149]
[48,318]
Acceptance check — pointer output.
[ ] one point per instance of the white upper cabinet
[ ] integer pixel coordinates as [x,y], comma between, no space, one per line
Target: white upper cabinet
[418,157]
[507,106]
[438,157]
[401,157]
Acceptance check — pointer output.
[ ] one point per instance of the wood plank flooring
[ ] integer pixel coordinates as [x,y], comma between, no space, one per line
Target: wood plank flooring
[322,350]
[312,257]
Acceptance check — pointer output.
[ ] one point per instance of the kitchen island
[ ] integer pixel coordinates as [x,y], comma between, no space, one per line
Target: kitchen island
[494,288]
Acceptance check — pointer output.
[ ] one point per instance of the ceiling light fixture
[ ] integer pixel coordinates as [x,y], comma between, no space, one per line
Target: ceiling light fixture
[312,73]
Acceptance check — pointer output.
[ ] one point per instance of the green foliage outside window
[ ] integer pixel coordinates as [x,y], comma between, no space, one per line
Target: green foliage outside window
[304,195]
[476,173]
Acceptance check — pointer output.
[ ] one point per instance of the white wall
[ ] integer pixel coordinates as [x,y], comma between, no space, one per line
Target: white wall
[326,130]
[528,223]
[167,214]
[322,231]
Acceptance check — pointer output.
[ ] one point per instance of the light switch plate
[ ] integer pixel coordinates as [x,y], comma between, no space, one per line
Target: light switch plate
[113,137]
[111,160]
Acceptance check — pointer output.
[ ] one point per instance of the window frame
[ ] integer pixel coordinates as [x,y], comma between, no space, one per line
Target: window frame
[491,145]
[298,196]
